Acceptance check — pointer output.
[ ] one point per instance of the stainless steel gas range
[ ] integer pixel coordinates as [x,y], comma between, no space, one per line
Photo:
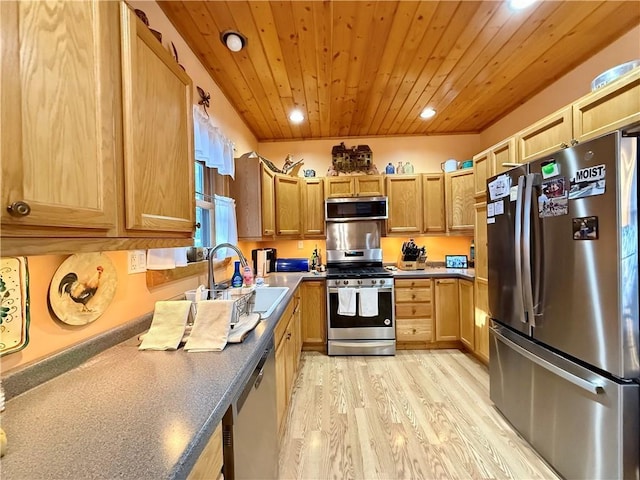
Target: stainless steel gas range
[360,294]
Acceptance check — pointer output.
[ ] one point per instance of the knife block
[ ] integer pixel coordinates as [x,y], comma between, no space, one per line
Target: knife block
[407,264]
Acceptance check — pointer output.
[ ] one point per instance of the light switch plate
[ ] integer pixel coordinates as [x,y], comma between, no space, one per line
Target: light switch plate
[136,261]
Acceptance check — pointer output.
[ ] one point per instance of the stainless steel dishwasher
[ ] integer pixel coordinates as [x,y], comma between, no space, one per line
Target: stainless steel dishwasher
[250,430]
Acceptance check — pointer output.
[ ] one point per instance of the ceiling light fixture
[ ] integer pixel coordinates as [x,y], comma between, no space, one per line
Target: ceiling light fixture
[427,113]
[520,4]
[234,41]
[296,116]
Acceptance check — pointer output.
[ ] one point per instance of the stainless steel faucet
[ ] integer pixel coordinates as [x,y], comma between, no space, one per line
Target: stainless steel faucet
[212,250]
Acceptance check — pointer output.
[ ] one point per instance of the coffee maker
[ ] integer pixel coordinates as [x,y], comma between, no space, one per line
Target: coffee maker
[264,260]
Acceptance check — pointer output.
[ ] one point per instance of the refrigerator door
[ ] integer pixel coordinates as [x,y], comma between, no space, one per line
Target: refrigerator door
[579,299]
[505,203]
[585,425]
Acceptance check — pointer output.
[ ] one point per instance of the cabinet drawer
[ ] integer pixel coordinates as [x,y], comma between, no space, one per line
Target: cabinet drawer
[414,329]
[413,295]
[412,310]
[413,282]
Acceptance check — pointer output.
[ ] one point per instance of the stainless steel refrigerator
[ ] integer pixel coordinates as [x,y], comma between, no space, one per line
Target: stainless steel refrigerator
[563,300]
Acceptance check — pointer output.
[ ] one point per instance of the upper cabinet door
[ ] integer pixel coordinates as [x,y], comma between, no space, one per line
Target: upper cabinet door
[59,69]
[433,203]
[368,185]
[545,136]
[405,203]
[459,194]
[313,207]
[288,205]
[481,171]
[158,134]
[339,187]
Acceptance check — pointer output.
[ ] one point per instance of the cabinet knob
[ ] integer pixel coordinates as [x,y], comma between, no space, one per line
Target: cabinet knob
[574,142]
[564,145]
[198,225]
[19,209]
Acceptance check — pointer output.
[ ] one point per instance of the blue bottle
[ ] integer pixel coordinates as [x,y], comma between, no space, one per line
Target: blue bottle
[236,279]
[390,168]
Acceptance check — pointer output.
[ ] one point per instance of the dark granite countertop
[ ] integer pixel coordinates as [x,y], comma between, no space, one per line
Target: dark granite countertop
[126,413]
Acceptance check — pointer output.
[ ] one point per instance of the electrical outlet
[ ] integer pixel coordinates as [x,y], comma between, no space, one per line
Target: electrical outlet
[300,244]
[136,261]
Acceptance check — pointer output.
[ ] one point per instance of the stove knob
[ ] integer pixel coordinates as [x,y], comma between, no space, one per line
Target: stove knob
[346,282]
[374,281]
[359,282]
[382,282]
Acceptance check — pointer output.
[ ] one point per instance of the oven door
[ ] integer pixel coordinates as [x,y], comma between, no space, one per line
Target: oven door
[357,327]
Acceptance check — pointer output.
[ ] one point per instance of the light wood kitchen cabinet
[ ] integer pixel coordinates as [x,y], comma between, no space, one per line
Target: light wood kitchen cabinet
[287,337]
[288,205]
[157,133]
[355,186]
[467,323]
[405,203]
[433,203]
[481,243]
[110,143]
[314,315]
[491,162]
[209,463]
[459,194]
[447,324]
[482,320]
[414,312]
[545,136]
[608,108]
[368,185]
[60,105]
[254,192]
[481,171]
[611,107]
[313,207]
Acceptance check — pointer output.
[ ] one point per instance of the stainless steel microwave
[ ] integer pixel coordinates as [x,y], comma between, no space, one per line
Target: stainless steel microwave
[344,209]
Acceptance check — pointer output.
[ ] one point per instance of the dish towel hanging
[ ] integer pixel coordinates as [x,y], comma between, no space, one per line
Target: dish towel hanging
[211,327]
[211,146]
[168,325]
[347,302]
[368,302]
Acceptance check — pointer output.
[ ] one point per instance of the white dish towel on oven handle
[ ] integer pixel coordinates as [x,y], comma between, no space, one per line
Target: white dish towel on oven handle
[368,304]
[347,301]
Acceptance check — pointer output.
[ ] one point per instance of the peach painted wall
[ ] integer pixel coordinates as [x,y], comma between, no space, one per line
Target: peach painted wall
[426,153]
[132,298]
[565,90]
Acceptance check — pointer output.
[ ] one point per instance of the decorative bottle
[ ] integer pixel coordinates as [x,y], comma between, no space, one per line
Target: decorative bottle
[408,168]
[400,168]
[389,169]
[236,279]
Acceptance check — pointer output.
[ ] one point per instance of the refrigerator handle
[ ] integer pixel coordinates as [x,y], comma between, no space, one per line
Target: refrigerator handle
[518,248]
[526,250]
[569,377]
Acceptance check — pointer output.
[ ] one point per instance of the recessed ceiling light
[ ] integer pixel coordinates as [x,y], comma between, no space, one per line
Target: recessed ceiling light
[234,41]
[427,113]
[520,4]
[296,116]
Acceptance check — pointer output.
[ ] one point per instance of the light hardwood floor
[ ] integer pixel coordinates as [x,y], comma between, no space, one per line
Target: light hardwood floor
[418,415]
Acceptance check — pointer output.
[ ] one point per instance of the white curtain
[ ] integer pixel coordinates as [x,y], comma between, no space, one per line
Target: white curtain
[211,146]
[226,226]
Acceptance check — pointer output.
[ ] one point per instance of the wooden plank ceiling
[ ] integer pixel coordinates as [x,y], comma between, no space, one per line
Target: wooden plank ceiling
[365,68]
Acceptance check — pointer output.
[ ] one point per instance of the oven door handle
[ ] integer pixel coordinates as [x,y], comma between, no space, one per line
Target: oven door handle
[382,290]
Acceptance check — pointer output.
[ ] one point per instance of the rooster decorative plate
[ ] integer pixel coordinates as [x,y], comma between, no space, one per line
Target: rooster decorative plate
[82,288]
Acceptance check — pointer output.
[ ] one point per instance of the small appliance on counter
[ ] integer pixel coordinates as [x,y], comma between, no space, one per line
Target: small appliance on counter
[412,257]
[264,261]
[292,265]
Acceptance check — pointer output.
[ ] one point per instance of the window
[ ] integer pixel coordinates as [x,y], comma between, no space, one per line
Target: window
[204,205]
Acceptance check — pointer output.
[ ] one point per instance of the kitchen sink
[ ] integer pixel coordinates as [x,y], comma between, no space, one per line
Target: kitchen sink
[267,299]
